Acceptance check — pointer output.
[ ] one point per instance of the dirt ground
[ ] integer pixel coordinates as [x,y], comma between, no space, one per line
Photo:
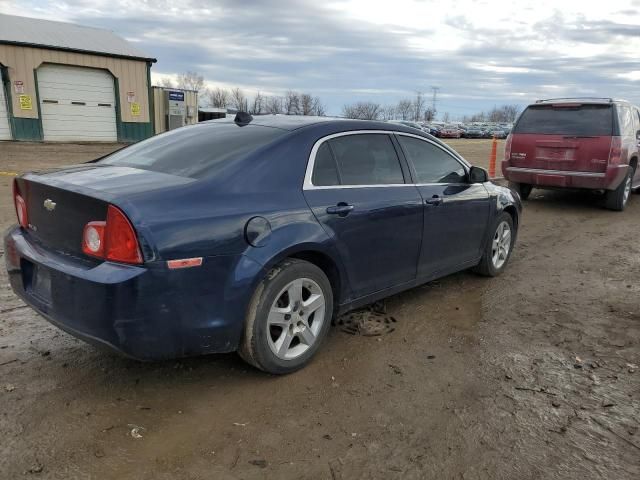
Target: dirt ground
[531,375]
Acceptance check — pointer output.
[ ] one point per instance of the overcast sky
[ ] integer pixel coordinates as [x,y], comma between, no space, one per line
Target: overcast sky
[480,53]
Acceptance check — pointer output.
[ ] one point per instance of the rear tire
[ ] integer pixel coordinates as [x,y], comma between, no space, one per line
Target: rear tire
[617,199]
[498,248]
[288,318]
[523,189]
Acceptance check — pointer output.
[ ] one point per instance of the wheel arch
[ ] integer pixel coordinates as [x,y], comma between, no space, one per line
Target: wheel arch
[513,212]
[321,258]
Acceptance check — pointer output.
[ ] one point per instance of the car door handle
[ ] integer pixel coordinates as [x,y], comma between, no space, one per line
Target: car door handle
[342,209]
[435,200]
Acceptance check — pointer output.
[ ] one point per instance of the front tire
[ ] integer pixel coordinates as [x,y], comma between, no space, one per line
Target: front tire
[617,199]
[498,247]
[288,318]
[523,189]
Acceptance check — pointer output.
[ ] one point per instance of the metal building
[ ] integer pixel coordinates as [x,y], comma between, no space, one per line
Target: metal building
[67,82]
[174,108]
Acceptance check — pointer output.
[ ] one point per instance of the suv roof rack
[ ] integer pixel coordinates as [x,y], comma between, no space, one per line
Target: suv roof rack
[599,99]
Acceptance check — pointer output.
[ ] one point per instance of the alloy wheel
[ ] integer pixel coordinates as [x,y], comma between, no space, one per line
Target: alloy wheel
[501,245]
[296,318]
[627,190]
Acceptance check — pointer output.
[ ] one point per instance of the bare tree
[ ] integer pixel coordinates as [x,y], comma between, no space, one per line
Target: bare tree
[388,112]
[429,114]
[257,104]
[318,107]
[306,104]
[404,109]
[273,105]
[292,103]
[418,106]
[191,81]
[511,112]
[239,100]
[446,117]
[166,82]
[219,97]
[362,110]
[504,113]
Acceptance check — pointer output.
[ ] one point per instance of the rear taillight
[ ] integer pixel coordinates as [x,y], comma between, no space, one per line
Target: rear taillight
[113,239]
[507,147]
[615,153]
[21,205]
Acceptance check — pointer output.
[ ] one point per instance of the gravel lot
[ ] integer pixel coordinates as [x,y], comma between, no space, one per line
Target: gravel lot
[534,374]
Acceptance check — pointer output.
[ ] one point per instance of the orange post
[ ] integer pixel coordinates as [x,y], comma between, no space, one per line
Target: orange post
[492,159]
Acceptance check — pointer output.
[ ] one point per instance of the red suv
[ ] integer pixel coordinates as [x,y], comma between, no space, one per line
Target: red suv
[575,143]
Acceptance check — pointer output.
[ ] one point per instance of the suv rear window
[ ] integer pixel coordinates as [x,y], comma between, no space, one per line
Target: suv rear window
[582,120]
[196,151]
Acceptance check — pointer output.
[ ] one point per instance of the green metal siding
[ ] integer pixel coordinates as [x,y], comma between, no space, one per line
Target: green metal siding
[26,129]
[134,131]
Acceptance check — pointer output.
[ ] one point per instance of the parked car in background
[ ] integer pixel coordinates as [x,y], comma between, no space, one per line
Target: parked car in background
[497,133]
[450,131]
[576,143]
[474,132]
[433,129]
[250,235]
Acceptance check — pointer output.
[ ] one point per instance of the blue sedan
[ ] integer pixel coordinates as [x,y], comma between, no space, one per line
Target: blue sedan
[250,235]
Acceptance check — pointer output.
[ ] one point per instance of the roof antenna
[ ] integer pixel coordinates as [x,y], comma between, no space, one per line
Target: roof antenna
[243,117]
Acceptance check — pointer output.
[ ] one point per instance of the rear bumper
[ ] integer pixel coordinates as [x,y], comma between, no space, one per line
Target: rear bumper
[608,180]
[148,313]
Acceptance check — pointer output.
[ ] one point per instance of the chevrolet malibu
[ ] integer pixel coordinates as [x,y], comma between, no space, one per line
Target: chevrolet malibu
[250,235]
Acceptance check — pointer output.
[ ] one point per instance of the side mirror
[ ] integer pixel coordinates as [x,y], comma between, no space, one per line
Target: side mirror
[478,175]
[638,135]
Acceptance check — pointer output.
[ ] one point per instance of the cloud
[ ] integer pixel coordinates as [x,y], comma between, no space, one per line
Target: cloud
[479,53]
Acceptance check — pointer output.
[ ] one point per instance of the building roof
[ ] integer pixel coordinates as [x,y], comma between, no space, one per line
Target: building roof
[38,33]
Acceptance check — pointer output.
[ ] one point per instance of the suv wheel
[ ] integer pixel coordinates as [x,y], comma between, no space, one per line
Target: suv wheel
[523,189]
[288,317]
[617,199]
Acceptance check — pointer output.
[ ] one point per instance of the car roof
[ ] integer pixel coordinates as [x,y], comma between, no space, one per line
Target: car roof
[581,100]
[295,122]
[284,122]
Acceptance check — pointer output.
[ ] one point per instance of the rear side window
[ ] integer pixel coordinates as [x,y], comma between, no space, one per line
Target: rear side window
[581,120]
[626,120]
[367,159]
[325,171]
[432,164]
[196,151]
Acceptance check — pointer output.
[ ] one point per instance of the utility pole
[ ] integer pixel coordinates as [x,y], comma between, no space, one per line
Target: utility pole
[435,98]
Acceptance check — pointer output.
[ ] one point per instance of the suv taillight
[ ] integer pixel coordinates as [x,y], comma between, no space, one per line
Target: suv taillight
[615,154]
[21,205]
[507,147]
[113,239]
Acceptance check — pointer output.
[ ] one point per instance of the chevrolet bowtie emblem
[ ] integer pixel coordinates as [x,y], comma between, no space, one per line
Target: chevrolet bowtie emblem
[49,204]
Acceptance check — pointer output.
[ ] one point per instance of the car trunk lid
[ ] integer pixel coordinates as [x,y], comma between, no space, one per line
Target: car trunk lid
[61,202]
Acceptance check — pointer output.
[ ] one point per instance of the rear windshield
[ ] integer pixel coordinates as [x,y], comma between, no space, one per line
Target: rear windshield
[195,152]
[583,120]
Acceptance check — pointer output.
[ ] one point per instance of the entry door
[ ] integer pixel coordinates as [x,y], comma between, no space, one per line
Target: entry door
[455,212]
[357,192]
[77,104]
[5,131]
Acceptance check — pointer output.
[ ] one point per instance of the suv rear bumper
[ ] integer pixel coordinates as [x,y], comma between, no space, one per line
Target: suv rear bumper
[608,180]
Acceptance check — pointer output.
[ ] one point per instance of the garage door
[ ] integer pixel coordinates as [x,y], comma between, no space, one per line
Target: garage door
[5,133]
[77,104]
